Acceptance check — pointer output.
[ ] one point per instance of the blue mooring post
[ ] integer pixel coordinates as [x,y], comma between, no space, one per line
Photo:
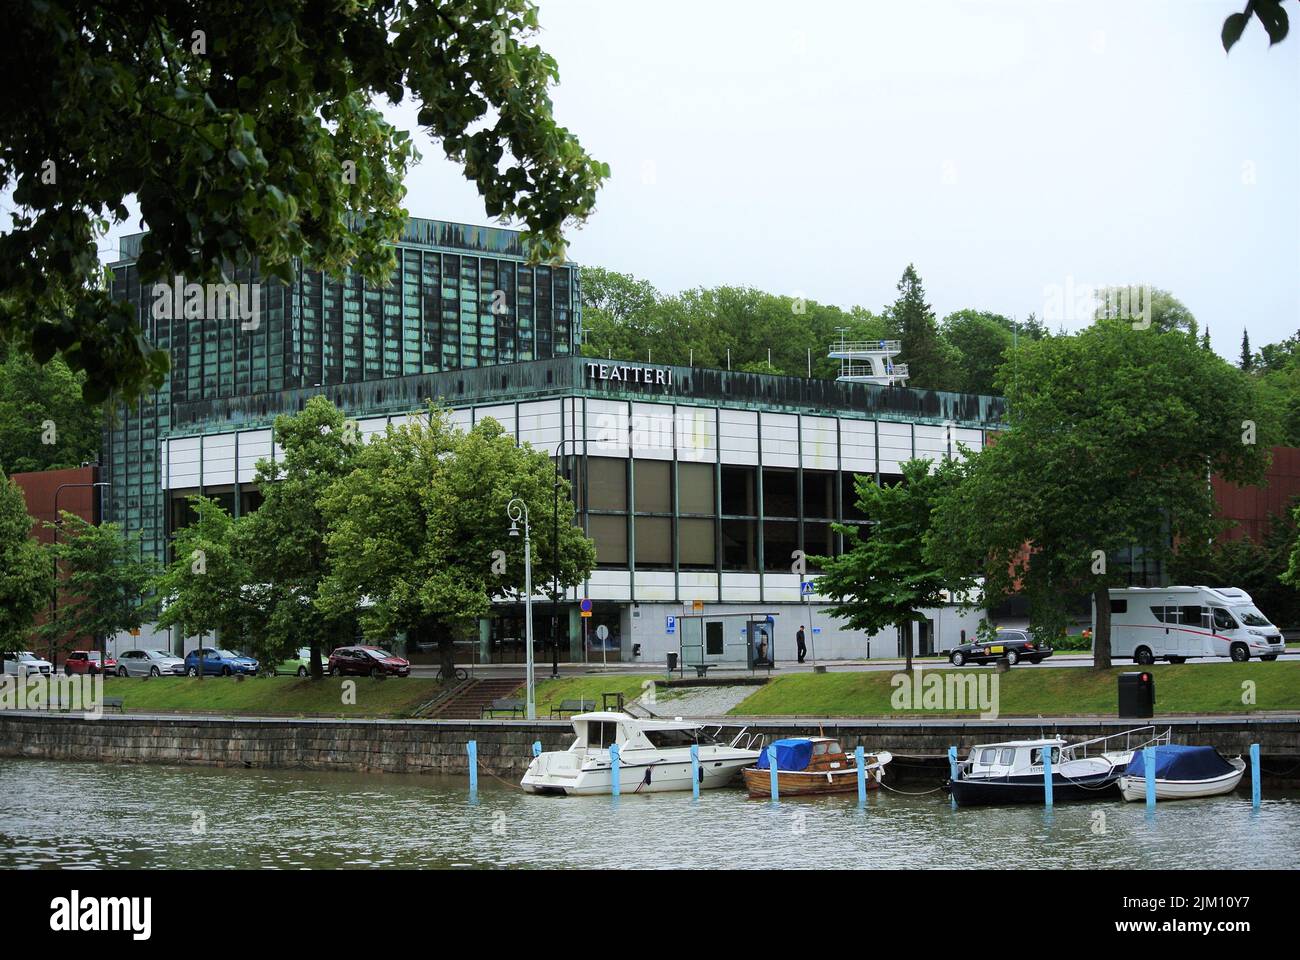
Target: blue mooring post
[1149,759]
[695,771]
[1254,775]
[952,763]
[1047,775]
[862,774]
[771,763]
[613,769]
[471,748]
[537,748]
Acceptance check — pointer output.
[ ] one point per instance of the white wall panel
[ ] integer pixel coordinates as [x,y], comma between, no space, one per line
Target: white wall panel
[610,585]
[740,586]
[254,445]
[183,454]
[652,431]
[971,439]
[503,413]
[895,445]
[738,436]
[819,443]
[858,445]
[780,432]
[462,419]
[371,427]
[932,443]
[218,459]
[697,434]
[607,428]
[655,585]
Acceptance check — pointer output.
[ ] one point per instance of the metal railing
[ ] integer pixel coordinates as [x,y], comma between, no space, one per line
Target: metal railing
[1143,736]
[898,370]
[866,346]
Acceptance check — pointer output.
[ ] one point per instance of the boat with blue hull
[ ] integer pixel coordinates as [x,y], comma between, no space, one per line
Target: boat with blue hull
[1013,771]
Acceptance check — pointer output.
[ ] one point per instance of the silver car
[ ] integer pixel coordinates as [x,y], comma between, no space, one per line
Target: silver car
[149,663]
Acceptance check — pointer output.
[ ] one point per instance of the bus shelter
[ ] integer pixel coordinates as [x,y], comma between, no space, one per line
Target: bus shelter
[734,641]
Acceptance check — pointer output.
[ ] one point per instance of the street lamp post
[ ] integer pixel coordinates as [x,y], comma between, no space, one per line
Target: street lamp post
[555,565]
[517,511]
[54,557]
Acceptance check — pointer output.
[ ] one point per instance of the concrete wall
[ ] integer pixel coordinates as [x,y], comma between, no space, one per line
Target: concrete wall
[504,746]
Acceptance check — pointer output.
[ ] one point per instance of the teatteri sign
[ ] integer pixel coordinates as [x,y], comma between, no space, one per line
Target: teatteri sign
[630,373]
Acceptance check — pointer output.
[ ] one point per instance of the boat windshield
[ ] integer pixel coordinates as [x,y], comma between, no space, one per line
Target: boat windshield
[665,739]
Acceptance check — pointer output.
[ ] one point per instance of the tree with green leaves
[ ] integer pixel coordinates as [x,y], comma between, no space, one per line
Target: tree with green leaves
[983,340]
[931,361]
[26,576]
[1292,573]
[419,527]
[1113,432]
[1247,361]
[105,583]
[248,135]
[209,587]
[284,540]
[1270,13]
[885,577]
[44,424]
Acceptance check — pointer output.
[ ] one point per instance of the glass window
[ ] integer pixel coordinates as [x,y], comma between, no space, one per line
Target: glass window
[1159,613]
[819,494]
[607,481]
[714,638]
[654,486]
[654,543]
[850,494]
[1223,619]
[1119,606]
[738,491]
[695,488]
[818,540]
[1006,755]
[780,493]
[780,541]
[610,534]
[739,547]
[988,755]
[696,544]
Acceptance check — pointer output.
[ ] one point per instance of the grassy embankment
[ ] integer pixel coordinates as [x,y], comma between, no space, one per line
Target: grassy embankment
[1180,689]
[272,696]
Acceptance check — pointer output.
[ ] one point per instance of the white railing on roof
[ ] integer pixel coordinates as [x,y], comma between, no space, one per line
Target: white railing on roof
[866,346]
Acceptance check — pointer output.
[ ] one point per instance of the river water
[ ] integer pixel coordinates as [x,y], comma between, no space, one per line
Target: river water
[95,815]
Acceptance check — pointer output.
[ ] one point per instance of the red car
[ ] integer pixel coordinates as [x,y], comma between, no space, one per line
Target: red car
[367,662]
[87,661]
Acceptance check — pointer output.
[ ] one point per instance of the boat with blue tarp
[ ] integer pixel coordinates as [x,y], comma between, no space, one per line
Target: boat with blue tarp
[1182,773]
[808,765]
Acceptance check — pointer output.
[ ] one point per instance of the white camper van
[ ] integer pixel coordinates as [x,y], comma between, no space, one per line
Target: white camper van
[1175,623]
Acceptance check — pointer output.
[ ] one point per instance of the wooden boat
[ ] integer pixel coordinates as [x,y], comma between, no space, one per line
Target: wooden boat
[1183,773]
[808,765]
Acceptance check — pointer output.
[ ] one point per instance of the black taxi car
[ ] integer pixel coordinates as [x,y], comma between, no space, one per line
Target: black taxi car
[1015,645]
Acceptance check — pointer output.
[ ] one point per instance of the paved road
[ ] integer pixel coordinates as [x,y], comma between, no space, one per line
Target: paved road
[543,670]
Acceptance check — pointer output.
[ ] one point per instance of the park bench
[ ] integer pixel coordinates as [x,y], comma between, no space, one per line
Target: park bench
[514,707]
[573,706]
[701,669]
[105,702]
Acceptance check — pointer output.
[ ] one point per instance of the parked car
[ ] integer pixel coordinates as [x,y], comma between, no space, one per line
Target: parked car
[218,663]
[23,662]
[87,661]
[299,664]
[149,663]
[1015,645]
[367,661]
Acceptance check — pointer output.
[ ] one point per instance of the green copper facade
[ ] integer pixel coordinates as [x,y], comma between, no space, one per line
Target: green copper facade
[460,297]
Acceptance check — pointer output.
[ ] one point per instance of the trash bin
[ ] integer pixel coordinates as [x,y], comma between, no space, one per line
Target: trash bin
[1137,694]
[672,662]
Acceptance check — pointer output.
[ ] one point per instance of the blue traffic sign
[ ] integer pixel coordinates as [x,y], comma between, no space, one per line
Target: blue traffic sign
[805,587]
[585,606]
[672,624]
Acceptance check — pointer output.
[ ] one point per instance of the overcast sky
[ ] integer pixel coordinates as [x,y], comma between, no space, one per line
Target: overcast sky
[1008,149]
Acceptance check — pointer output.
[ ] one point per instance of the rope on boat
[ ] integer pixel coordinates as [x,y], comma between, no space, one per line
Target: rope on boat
[909,793]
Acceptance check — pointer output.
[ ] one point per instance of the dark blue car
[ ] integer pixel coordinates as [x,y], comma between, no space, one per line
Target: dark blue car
[221,663]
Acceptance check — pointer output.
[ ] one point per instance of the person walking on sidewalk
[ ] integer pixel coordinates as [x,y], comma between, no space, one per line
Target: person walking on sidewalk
[802,644]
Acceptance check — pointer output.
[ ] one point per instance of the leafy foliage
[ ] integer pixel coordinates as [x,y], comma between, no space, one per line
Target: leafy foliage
[39,404]
[105,581]
[1270,13]
[26,577]
[249,132]
[414,527]
[885,577]
[1112,433]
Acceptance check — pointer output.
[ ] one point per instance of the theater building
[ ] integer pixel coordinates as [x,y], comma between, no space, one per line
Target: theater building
[700,487]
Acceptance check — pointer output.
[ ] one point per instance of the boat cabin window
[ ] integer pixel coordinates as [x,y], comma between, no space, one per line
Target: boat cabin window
[988,755]
[823,747]
[1223,619]
[1036,757]
[670,738]
[601,733]
[1006,756]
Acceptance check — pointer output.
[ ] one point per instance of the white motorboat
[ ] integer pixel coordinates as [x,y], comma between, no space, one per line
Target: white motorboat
[654,756]
[1183,773]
